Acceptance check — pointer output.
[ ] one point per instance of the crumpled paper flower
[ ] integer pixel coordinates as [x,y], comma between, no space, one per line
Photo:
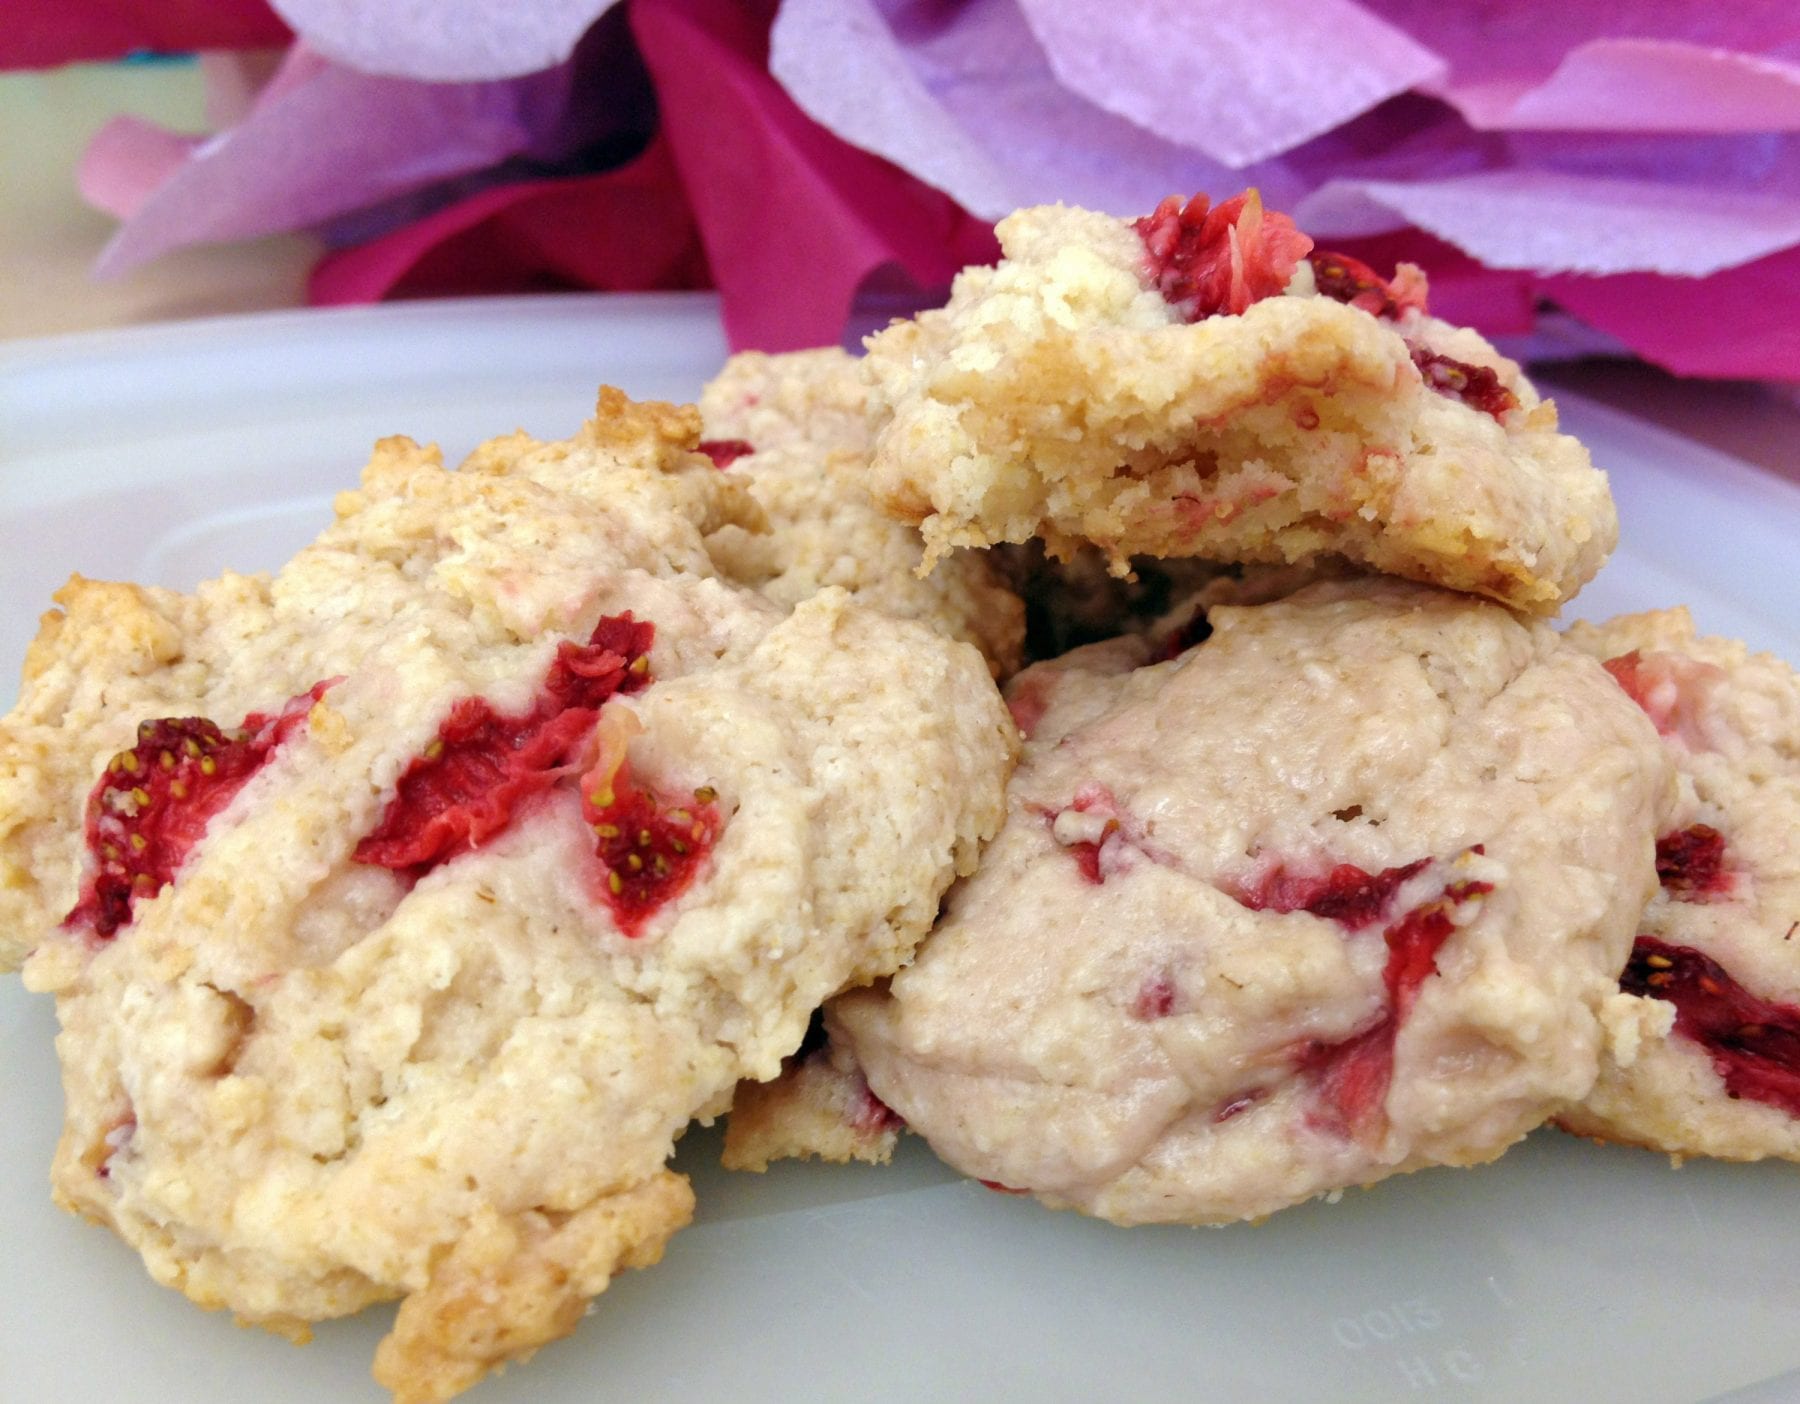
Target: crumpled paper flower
[1631,163]
[41,35]
[1703,184]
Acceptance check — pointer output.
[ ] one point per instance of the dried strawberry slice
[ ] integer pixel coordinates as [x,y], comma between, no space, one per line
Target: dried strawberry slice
[1478,387]
[153,803]
[1413,943]
[1345,894]
[1674,691]
[1627,670]
[1350,280]
[1351,1077]
[1087,859]
[1690,863]
[725,452]
[616,658]
[466,786]
[1754,1043]
[651,849]
[469,782]
[1207,261]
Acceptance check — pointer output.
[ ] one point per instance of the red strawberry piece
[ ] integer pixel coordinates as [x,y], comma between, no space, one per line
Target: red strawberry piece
[1155,998]
[1350,280]
[1627,671]
[616,658]
[1091,799]
[1207,261]
[1087,857]
[1413,943]
[1351,1077]
[874,1116]
[725,452]
[651,849]
[1690,863]
[1028,699]
[1345,893]
[1350,1080]
[999,1188]
[153,803]
[1478,387]
[1754,1043]
[1671,688]
[469,782]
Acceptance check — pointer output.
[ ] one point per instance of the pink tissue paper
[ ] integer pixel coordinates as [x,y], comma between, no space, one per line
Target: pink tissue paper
[1634,164]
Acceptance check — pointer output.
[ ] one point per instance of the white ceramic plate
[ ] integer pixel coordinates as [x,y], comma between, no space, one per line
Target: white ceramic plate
[1566,1271]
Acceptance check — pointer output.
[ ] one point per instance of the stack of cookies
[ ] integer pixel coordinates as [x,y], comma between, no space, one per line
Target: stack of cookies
[1126,703]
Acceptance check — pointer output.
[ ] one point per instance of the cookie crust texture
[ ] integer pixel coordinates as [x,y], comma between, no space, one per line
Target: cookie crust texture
[820,1108]
[1730,722]
[1059,395]
[1134,1009]
[298,1084]
[804,417]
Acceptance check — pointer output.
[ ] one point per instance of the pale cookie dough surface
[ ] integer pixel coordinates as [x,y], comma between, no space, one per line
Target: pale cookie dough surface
[796,427]
[820,1106]
[814,397]
[1145,1004]
[298,1083]
[1725,1082]
[1059,395]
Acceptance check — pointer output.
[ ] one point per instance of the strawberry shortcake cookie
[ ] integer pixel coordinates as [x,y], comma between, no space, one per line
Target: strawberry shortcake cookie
[1202,382]
[401,910]
[794,428]
[1340,891]
[1715,969]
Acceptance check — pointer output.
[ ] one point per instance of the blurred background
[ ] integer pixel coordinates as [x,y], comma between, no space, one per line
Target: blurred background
[1608,186]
